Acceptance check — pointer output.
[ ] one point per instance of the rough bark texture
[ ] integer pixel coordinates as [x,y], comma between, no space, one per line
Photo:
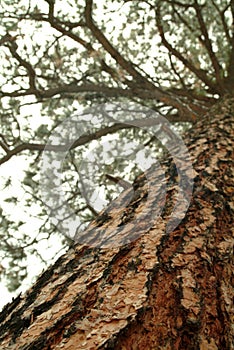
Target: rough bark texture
[162,291]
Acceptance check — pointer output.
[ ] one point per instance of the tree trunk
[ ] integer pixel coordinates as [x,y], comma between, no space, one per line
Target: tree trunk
[164,290]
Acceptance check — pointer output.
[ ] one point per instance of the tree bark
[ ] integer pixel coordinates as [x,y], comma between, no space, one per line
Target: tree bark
[164,290]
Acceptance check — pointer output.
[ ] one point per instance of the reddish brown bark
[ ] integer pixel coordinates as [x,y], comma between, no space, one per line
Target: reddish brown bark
[162,291]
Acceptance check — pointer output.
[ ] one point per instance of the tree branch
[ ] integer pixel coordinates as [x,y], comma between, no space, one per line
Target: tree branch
[126,65]
[198,72]
[222,17]
[208,46]
[84,139]
[31,72]
[230,69]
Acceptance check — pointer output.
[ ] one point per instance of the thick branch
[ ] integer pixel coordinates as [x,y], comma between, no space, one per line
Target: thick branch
[169,99]
[82,140]
[230,76]
[126,65]
[223,20]
[57,25]
[198,72]
[208,46]
[62,148]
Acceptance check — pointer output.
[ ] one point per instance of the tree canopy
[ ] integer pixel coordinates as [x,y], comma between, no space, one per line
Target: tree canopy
[175,57]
